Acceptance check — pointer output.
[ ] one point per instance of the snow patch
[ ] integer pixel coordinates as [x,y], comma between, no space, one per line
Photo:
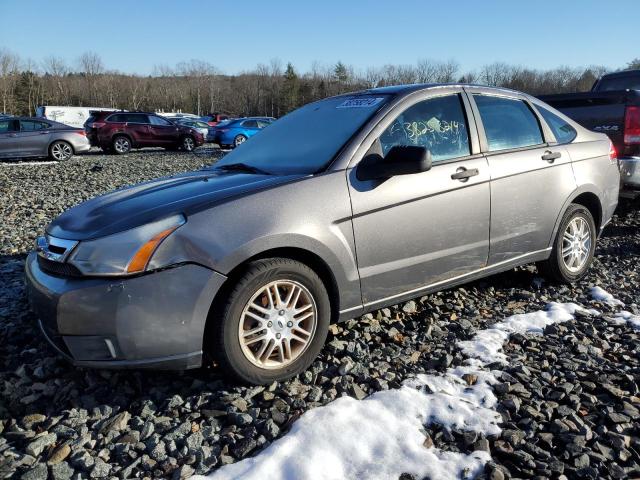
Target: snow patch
[627,317]
[603,296]
[382,436]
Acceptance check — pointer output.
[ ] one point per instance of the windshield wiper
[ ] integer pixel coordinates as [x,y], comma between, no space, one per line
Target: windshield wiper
[242,167]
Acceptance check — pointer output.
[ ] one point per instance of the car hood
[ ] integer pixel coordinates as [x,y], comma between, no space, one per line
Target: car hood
[131,207]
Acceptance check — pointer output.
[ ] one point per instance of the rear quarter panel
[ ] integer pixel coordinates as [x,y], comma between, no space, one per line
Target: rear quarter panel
[595,172]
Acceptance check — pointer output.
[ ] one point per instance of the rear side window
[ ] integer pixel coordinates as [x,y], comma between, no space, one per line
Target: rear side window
[437,124]
[30,125]
[6,126]
[137,118]
[117,118]
[250,124]
[563,132]
[508,123]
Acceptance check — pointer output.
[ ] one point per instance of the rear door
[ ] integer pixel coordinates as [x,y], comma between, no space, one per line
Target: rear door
[531,175]
[138,127]
[8,137]
[34,137]
[422,229]
[250,127]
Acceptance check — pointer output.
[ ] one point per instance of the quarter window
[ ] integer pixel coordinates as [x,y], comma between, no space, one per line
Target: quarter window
[563,132]
[508,123]
[437,124]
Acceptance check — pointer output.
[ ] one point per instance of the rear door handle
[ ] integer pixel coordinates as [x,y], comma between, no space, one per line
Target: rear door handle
[550,156]
[463,174]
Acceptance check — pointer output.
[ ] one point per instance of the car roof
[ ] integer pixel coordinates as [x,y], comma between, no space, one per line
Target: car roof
[415,87]
[624,73]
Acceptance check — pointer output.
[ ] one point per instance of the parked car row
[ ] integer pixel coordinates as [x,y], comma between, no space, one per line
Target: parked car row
[232,133]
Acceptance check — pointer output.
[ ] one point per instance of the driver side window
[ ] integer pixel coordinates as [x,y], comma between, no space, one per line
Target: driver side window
[438,124]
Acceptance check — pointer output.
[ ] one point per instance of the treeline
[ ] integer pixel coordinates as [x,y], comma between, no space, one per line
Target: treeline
[270,89]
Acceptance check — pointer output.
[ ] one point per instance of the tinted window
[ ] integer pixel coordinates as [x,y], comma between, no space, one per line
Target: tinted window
[608,84]
[159,121]
[563,132]
[136,118]
[31,125]
[438,124]
[118,117]
[6,126]
[508,123]
[250,124]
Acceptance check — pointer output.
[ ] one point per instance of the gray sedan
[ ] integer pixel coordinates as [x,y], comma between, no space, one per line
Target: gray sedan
[22,137]
[341,207]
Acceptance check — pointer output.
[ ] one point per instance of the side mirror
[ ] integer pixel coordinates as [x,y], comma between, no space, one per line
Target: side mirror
[400,160]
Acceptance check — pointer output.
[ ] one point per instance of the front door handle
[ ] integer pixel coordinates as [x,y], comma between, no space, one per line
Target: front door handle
[550,156]
[463,174]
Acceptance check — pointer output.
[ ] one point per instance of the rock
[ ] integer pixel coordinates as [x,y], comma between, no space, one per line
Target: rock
[37,446]
[38,472]
[116,423]
[185,471]
[470,378]
[59,454]
[61,471]
[357,392]
[100,469]
[410,307]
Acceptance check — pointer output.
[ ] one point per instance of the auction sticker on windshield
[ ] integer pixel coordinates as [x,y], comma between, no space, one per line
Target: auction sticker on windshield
[360,102]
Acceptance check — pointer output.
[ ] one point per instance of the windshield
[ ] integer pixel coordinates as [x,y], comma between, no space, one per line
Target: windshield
[307,139]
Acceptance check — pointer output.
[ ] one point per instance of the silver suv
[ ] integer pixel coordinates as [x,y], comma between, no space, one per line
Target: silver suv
[343,206]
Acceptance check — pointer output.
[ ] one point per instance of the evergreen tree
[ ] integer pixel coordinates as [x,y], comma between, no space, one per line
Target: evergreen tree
[290,88]
[340,72]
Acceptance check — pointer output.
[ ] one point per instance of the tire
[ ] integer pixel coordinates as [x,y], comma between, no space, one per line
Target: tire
[239,140]
[60,151]
[121,145]
[188,143]
[241,360]
[568,268]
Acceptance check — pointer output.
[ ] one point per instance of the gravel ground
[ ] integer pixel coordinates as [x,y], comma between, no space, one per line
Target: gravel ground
[569,399]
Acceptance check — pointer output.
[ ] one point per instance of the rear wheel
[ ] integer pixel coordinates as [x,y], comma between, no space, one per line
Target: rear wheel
[573,248]
[239,140]
[60,151]
[121,145]
[274,321]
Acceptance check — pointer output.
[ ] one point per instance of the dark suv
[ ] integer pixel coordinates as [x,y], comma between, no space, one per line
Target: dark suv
[121,131]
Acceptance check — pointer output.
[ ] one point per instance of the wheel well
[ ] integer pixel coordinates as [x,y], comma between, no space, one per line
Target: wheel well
[316,263]
[592,203]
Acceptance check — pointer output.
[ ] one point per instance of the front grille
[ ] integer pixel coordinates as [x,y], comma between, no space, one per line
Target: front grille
[57,268]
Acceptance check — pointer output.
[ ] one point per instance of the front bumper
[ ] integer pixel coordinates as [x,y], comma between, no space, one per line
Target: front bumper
[155,320]
[630,171]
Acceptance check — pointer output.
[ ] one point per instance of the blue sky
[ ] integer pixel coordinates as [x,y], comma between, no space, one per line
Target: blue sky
[133,36]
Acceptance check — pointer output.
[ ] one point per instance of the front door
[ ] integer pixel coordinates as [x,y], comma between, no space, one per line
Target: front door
[9,137]
[531,178]
[163,131]
[423,229]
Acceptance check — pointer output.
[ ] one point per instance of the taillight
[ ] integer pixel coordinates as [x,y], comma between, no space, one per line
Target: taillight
[632,125]
[81,132]
[613,155]
[97,124]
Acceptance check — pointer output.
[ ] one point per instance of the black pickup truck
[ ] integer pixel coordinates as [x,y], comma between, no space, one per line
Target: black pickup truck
[612,107]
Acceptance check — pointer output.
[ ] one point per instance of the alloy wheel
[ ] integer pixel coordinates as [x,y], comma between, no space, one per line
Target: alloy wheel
[277,324]
[188,144]
[61,151]
[122,145]
[240,139]
[576,244]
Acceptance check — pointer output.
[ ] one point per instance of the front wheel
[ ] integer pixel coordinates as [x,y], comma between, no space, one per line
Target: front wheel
[239,140]
[188,143]
[60,151]
[573,248]
[273,323]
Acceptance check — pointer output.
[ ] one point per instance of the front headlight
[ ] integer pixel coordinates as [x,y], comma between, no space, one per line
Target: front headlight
[123,253]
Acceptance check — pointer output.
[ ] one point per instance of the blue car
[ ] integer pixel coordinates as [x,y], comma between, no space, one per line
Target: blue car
[231,133]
